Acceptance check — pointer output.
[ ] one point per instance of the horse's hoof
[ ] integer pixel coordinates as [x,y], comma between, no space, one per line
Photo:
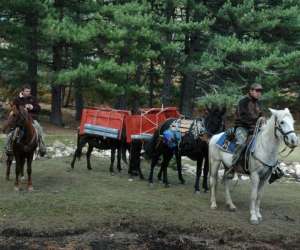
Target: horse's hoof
[197,192]
[112,173]
[151,184]
[182,182]
[231,208]
[30,188]
[89,168]
[205,190]
[130,179]
[213,207]
[22,179]
[17,189]
[254,222]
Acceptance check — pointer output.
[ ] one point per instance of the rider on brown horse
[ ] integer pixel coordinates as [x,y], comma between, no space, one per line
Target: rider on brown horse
[30,103]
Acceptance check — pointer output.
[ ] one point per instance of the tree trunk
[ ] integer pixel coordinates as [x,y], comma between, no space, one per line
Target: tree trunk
[187,95]
[166,94]
[192,47]
[56,91]
[68,98]
[31,23]
[151,84]
[168,64]
[79,102]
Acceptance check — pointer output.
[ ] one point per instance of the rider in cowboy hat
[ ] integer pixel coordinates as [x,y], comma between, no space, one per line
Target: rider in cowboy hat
[30,103]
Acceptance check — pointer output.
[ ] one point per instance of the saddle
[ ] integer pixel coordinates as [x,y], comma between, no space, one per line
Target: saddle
[227,143]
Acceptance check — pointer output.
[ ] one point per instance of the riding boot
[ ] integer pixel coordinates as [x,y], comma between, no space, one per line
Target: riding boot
[237,153]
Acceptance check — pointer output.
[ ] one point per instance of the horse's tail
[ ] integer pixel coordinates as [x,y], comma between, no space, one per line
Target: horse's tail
[78,151]
[123,152]
[150,147]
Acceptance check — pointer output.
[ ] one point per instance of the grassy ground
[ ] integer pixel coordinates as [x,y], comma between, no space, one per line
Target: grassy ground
[81,200]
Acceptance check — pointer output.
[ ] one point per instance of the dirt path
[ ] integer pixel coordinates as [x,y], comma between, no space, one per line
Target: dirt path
[138,237]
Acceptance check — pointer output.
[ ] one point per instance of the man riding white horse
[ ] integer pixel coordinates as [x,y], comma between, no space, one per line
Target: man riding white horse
[32,106]
[247,113]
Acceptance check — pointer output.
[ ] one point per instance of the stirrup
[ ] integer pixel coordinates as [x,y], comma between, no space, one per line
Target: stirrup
[42,152]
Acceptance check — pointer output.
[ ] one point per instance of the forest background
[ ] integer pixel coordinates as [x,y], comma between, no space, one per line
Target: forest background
[132,54]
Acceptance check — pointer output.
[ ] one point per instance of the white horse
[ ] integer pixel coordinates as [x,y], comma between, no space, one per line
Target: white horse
[278,128]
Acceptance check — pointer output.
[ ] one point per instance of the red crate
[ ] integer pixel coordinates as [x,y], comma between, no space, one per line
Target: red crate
[143,126]
[104,118]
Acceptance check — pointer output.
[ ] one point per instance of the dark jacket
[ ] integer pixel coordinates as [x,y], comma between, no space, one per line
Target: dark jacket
[248,112]
[22,101]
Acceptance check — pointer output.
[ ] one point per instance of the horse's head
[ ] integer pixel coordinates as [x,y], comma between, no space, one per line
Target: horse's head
[214,121]
[18,117]
[284,127]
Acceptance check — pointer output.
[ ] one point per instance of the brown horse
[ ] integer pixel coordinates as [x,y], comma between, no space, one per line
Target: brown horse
[24,143]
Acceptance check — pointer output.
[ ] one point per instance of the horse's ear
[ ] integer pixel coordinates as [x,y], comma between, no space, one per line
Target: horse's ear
[287,110]
[223,111]
[14,108]
[208,109]
[273,111]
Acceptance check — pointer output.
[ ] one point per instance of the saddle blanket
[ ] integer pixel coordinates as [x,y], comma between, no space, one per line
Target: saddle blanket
[229,146]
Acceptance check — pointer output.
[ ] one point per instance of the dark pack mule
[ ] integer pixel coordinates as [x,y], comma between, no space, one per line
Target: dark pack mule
[102,143]
[192,144]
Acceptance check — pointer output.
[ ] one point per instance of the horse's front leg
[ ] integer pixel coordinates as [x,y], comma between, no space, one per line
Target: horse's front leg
[160,173]
[179,167]
[19,163]
[214,167]
[198,174]
[154,161]
[258,200]
[253,198]
[205,173]
[29,171]
[8,166]
[166,159]
[112,160]
[229,202]
[119,159]
[22,173]
[88,156]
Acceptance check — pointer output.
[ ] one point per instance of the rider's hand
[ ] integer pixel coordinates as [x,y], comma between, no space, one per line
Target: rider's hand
[29,106]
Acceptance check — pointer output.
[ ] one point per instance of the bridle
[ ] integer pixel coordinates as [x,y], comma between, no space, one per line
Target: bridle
[284,134]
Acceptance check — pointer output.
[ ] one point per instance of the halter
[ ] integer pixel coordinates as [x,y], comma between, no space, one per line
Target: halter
[284,134]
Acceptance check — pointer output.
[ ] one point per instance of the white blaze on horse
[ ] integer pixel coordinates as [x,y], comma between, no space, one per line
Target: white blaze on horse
[264,157]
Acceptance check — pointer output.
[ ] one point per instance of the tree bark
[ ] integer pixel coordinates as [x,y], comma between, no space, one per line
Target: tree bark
[31,23]
[151,84]
[56,90]
[168,62]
